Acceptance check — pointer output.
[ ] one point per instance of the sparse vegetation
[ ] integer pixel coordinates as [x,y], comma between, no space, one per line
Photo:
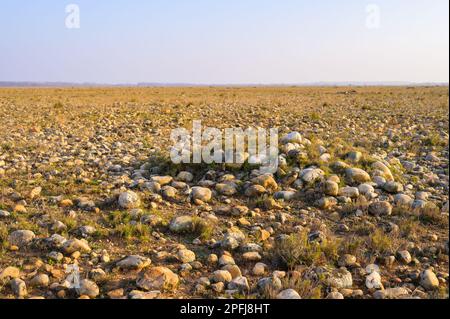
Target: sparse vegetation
[202,229]
[297,250]
[431,215]
[380,242]
[67,155]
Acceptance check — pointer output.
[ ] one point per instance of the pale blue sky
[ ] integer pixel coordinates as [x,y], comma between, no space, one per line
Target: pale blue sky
[224,41]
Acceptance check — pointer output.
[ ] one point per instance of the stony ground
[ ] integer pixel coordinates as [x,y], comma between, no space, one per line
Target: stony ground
[358,207]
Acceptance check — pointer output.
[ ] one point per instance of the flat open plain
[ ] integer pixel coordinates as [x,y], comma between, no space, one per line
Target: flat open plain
[357,209]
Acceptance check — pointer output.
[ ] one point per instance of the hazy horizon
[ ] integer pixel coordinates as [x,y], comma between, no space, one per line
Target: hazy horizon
[288,42]
[19,84]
